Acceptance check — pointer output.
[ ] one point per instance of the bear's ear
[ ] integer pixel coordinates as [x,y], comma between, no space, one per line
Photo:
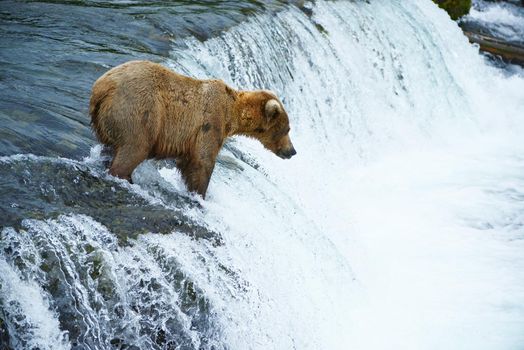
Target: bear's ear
[272,109]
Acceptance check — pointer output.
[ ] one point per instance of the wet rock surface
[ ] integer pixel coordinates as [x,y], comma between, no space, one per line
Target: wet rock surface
[46,188]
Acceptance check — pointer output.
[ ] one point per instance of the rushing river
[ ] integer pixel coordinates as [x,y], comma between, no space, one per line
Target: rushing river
[398,225]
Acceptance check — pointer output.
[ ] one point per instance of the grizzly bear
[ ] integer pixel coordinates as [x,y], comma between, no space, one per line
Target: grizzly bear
[143,110]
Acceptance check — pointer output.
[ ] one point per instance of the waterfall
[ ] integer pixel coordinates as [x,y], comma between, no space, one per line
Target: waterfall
[398,224]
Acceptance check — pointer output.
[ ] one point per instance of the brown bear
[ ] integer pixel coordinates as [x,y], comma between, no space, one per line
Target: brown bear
[143,110]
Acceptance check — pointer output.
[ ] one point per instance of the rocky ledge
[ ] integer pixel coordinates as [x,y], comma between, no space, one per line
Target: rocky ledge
[509,52]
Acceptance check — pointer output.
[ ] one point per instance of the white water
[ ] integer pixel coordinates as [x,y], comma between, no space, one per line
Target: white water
[408,179]
[399,223]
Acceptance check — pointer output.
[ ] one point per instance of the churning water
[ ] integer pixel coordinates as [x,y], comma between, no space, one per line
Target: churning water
[398,225]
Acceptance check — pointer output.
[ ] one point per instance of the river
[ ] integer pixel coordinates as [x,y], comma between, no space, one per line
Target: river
[398,225]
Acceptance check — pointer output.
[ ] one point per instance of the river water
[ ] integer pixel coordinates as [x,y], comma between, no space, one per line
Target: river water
[398,225]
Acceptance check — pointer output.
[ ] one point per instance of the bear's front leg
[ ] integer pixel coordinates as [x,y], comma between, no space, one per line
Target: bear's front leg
[197,169]
[197,165]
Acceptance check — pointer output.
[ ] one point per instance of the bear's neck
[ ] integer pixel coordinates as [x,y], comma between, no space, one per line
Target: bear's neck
[242,122]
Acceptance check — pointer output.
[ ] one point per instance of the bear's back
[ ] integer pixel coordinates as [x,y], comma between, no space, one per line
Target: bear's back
[142,100]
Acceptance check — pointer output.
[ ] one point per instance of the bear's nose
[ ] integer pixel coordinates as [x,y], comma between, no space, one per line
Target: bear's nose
[288,153]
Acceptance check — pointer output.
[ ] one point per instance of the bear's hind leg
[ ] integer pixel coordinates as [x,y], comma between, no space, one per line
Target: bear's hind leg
[126,159]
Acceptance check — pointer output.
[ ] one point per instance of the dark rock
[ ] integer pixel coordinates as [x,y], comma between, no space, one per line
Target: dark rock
[455,8]
[4,335]
[510,53]
[42,189]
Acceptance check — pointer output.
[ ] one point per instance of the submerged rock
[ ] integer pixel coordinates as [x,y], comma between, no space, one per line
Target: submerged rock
[42,188]
[4,335]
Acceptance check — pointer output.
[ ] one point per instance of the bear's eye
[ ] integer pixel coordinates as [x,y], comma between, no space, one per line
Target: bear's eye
[260,130]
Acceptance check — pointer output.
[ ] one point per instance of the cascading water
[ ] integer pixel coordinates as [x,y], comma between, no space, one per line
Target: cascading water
[398,225]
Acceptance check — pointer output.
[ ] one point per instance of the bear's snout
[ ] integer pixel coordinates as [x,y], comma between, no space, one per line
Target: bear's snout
[287,153]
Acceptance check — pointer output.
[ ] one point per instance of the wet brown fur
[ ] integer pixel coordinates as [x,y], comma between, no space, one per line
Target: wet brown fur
[144,110]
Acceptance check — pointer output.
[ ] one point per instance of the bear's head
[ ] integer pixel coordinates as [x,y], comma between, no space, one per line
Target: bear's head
[268,122]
